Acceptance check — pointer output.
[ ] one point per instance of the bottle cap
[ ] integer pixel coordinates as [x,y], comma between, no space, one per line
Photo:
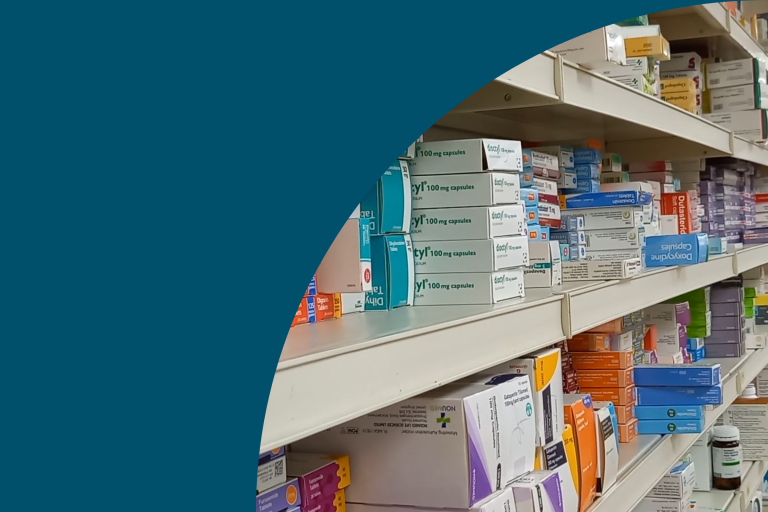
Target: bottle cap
[749,392]
[725,433]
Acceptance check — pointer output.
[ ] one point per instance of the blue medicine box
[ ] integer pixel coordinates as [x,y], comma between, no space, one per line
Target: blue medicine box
[392,273]
[565,252]
[677,375]
[668,412]
[568,237]
[572,223]
[388,203]
[692,395]
[587,171]
[603,199]
[532,215]
[681,426]
[585,186]
[587,156]
[670,250]
[526,177]
[538,233]
[530,196]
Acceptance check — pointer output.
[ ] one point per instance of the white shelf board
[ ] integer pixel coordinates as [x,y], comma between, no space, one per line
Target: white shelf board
[752,474]
[338,370]
[750,151]
[590,306]
[750,257]
[638,473]
[693,22]
[716,499]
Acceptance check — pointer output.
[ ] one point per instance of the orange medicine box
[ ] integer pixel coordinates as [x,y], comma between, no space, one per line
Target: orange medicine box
[589,342]
[651,340]
[605,378]
[602,360]
[580,415]
[569,442]
[682,205]
[306,312]
[628,432]
[324,307]
[619,396]
[624,413]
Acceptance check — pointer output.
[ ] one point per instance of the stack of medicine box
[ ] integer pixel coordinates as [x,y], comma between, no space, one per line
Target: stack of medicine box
[681,92]
[321,479]
[606,375]
[387,207]
[685,66]
[274,492]
[759,234]
[671,321]
[438,429]
[728,335]
[673,493]
[565,158]
[737,96]
[671,398]
[613,232]
[588,162]
[469,227]
[638,74]
[546,172]
[721,201]
[570,382]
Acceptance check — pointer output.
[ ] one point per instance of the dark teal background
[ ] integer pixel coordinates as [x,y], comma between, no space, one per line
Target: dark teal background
[172,173]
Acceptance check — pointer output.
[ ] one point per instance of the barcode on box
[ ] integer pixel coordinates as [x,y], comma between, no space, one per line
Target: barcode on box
[279,467]
[714,81]
[717,107]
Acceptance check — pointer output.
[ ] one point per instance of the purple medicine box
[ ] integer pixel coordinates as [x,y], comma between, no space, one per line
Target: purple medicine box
[722,337]
[725,350]
[725,295]
[727,323]
[729,309]
[279,498]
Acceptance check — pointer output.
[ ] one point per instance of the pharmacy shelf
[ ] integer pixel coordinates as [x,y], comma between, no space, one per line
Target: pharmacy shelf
[573,103]
[718,500]
[377,359]
[750,151]
[646,461]
[750,257]
[335,371]
[752,473]
[618,298]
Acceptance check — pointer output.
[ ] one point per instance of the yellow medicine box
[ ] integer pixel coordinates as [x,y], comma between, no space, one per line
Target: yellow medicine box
[651,46]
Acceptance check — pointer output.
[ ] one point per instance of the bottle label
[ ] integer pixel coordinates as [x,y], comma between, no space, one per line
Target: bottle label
[726,462]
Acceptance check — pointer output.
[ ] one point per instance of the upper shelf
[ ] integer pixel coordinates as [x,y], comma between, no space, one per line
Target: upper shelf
[550,99]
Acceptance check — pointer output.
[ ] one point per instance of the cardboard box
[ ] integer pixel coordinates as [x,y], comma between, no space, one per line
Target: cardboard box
[279,498]
[346,303]
[569,441]
[564,155]
[544,369]
[681,62]
[668,396]
[312,287]
[431,433]
[616,255]
[615,239]
[538,233]
[467,156]
[605,378]
[682,205]
[678,85]
[670,250]
[468,223]
[662,505]
[740,97]
[393,273]
[628,431]
[750,415]
[324,307]
[685,100]
[456,190]
[652,46]
[320,478]
[538,491]
[500,501]
[545,186]
[589,342]
[346,266]
[468,288]
[601,270]
[270,474]
[704,375]
[305,314]
[545,269]
[701,457]
[602,361]
[677,484]
[624,413]
[555,458]
[735,72]
[388,204]
[580,415]
[569,237]
[595,49]
[471,255]
[549,215]
[749,124]
[619,396]
[668,426]
[610,218]
[607,450]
